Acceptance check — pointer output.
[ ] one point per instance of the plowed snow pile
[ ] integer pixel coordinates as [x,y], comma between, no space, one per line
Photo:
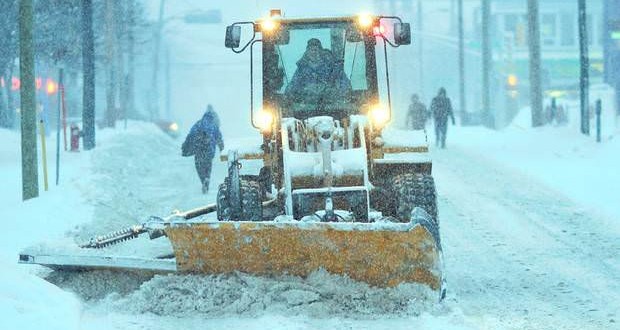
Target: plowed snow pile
[319,295]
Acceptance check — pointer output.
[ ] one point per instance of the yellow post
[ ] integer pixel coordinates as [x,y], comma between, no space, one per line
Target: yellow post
[44,153]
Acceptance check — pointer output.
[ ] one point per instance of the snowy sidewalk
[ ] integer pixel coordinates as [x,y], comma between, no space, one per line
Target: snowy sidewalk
[560,157]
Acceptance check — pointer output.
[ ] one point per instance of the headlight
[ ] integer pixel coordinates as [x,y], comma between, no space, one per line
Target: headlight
[173,127]
[268,24]
[364,20]
[264,119]
[379,116]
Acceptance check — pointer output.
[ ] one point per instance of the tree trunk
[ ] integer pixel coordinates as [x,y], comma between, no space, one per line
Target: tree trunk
[88,62]
[30,177]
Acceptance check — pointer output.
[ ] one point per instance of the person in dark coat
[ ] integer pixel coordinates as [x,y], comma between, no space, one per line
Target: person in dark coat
[201,142]
[441,109]
[417,114]
[317,73]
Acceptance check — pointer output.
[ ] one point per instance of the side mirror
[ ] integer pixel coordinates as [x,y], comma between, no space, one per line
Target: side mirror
[402,33]
[233,36]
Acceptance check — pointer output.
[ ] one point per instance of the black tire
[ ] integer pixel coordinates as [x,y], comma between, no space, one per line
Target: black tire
[414,190]
[251,202]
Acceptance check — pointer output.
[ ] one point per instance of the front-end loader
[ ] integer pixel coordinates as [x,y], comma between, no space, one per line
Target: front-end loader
[338,188]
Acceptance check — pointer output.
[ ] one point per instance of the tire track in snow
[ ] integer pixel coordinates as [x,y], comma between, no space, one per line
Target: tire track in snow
[521,254]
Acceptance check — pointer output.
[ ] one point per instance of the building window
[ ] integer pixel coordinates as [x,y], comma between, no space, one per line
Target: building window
[590,27]
[548,29]
[516,26]
[568,29]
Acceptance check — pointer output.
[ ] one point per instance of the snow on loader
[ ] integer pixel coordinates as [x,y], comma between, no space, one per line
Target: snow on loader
[337,190]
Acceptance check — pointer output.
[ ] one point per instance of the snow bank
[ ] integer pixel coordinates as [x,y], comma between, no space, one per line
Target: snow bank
[28,302]
[558,156]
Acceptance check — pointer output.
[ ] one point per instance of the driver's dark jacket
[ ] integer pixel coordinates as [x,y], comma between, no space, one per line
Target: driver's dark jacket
[324,74]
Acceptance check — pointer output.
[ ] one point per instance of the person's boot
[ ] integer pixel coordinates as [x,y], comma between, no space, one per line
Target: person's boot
[205,186]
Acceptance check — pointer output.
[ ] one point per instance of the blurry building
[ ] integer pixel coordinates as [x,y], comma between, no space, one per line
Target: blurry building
[559,34]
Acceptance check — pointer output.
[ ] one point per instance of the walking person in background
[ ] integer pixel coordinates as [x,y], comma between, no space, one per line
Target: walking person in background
[417,114]
[201,141]
[441,109]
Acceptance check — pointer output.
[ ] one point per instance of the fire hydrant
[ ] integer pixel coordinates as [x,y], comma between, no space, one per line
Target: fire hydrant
[75,137]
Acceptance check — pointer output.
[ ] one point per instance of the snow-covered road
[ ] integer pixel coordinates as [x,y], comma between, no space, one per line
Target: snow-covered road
[520,255]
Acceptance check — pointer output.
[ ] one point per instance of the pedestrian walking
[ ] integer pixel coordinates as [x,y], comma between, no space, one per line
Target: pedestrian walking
[201,142]
[417,114]
[441,109]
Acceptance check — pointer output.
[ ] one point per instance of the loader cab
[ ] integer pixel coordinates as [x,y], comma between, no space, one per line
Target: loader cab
[319,68]
[337,79]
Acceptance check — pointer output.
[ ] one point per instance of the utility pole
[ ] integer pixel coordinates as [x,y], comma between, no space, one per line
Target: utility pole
[30,175]
[461,32]
[584,81]
[420,50]
[88,64]
[486,62]
[536,100]
[154,99]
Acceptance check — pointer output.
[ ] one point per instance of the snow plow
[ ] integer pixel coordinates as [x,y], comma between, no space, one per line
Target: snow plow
[338,189]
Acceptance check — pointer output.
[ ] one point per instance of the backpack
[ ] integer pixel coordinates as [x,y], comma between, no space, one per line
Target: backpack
[193,143]
[187,149]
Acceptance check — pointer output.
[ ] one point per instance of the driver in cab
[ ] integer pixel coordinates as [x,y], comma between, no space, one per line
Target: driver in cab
[317,73]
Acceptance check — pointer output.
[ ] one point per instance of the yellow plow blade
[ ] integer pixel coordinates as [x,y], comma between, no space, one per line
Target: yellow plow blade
[380,254]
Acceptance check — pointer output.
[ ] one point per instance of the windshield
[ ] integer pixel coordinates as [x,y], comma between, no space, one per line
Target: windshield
[318,69]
